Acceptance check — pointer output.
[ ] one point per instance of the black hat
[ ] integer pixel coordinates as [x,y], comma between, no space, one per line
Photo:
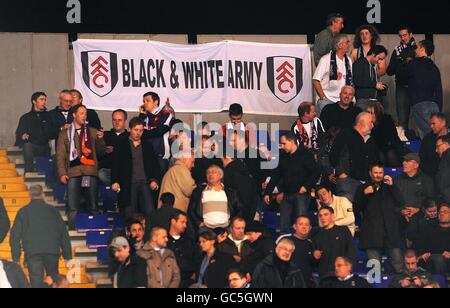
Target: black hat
[255,226]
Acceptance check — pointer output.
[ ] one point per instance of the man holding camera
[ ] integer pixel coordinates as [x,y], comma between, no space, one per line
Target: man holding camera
[412,277]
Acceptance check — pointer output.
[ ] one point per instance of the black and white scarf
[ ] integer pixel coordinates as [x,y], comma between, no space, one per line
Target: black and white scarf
[334,69]
[400,48]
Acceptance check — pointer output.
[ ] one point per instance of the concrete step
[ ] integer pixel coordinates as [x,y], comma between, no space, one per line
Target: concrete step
[104,284]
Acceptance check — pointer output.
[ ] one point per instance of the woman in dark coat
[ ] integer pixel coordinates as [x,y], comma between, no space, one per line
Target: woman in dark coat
[385,134]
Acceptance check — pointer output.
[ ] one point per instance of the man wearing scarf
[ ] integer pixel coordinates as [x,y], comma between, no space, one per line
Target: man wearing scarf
[401,56]
[333,73]
[78,148]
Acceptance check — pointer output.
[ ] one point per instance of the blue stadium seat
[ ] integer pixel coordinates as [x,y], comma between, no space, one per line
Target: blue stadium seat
[441,280]
[85,223]
[393,172]
[117,220]
[384,284]
[98,239]
[108,197]
[413,146]
[103,256]
[271,220]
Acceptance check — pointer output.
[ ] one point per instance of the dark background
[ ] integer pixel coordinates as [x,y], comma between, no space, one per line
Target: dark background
[217,17]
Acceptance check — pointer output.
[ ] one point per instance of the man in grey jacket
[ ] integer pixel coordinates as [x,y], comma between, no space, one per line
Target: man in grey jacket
[324,40]
[42,234]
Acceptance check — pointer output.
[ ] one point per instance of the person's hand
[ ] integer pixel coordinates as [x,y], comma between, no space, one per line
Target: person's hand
[237,259]
[343,176]
[413,211]
[405,214]
[280,198]
[109,149]
[64,179]
[417,281]
[142,109]
[446,255]
[267,200]
[425,256]
[332,178]
[380,86]
[405,283]
[25,137]
[66,126]
[369,190]
[303,191]
[389,180]
[100,134]
[116,187]
[48,280]
[154,186]
[317,254]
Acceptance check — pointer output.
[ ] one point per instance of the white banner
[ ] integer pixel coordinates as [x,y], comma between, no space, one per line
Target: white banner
[268,79]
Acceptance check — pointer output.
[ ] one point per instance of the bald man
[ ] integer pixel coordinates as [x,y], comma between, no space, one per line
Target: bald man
[354,151]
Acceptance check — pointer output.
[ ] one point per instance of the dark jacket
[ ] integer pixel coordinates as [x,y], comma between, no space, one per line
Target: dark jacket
[39,229]
[365,79]
[229,247]
[417,227]
[414,190]
[294,172]
[380,217]
[354,282]
[333,243]
[216,274]
[267,276]
[429,159]
[433,239]
[187,255]
[398,65]
[122,168]
[196,207]
[35,124]
[424,80]
[424,276]
[113,140]
[351,155]
[262,248]
[386,136]
[159,218]
[443,179]
[303,257]
[132,274]
[334,116]
[4,221]
[92,119]
[159,125]
[15,274]
[239,179]
[57,120]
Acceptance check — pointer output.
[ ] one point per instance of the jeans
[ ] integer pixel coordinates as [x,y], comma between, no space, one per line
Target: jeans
[30,151]
[293,205]
[422,113]
[74,194]
[438,265]
[395,256]
[347,188]
[141,200]
[104,175]
[321,103]
[403,106]
[40,266]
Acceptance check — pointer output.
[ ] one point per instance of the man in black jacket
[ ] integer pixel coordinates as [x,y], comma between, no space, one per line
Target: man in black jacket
[365,77]
[92,117]
[278,271]
[135,172]
[353,152]
[331,242]
[261,243]
[400,58]
[4,221]
[425,87]
[60,115]
[379,203]
[185,250]
[303,254]
[131,271]
[41,232]
[34,131]
[442,176]
[213,205]
[112,138]
[236,244]
[428,155]
[296,174]
[412,277]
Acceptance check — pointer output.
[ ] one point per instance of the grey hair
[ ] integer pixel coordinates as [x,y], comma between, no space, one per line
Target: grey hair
[338,40]
[36,191]
[348,87]
[222,174]
[286,241]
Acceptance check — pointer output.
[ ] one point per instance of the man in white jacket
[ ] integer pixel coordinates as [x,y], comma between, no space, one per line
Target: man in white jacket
[342,207]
